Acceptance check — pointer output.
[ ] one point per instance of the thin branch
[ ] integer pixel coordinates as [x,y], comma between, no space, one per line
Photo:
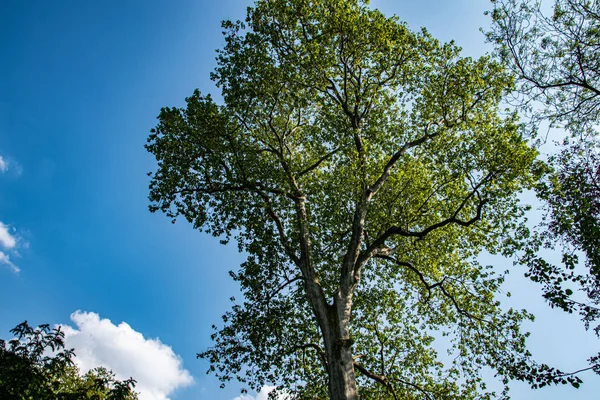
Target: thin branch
[392,161]
[432,286]
[420,389]
[281,230]
[283,286]
[408,265]
[396,230]
[316,164]
[578,371]
[377,378]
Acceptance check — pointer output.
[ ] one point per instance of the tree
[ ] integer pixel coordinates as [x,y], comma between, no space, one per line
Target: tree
[557,62]
[36,365]
[362,168]
[555,57]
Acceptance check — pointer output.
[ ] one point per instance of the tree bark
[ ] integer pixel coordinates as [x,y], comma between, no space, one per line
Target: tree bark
[334,322]
[340,365]
[338,352]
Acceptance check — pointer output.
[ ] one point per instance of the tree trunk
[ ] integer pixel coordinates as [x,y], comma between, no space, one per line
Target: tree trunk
[340,366]
[334,323]
[338,351]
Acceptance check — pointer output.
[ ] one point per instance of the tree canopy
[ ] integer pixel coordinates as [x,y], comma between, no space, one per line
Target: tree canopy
[36,365]
[362,168]
[556,58]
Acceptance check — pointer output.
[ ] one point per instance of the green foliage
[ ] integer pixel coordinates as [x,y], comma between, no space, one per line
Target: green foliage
[362,168]
[35,365]
[557,60]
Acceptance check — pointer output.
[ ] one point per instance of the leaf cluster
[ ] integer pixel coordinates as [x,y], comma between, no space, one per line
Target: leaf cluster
[36,365]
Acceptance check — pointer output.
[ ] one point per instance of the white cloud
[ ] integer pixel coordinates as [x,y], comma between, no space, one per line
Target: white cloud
[98,342]
[5,260]
[10,166]
[7,240]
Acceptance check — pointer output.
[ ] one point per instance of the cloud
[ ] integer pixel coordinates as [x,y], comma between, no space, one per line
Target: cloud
[3,164]
[10,166]
[5,260]
[98,342]
[7,240]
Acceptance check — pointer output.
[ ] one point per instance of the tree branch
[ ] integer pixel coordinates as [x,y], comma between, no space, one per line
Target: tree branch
[283,286]
[420,389]
[429,286]
[396,230]
[281,230]
[316,164]
[377,378]
[392,161]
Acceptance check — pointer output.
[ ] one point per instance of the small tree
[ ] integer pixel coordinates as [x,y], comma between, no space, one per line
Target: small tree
[362,168]
[557,60]
[36,365]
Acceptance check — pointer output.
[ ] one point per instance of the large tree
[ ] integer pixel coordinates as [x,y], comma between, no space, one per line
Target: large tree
[555,53]
[362,168]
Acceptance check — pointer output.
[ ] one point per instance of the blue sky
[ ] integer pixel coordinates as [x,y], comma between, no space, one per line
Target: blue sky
[82,83]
